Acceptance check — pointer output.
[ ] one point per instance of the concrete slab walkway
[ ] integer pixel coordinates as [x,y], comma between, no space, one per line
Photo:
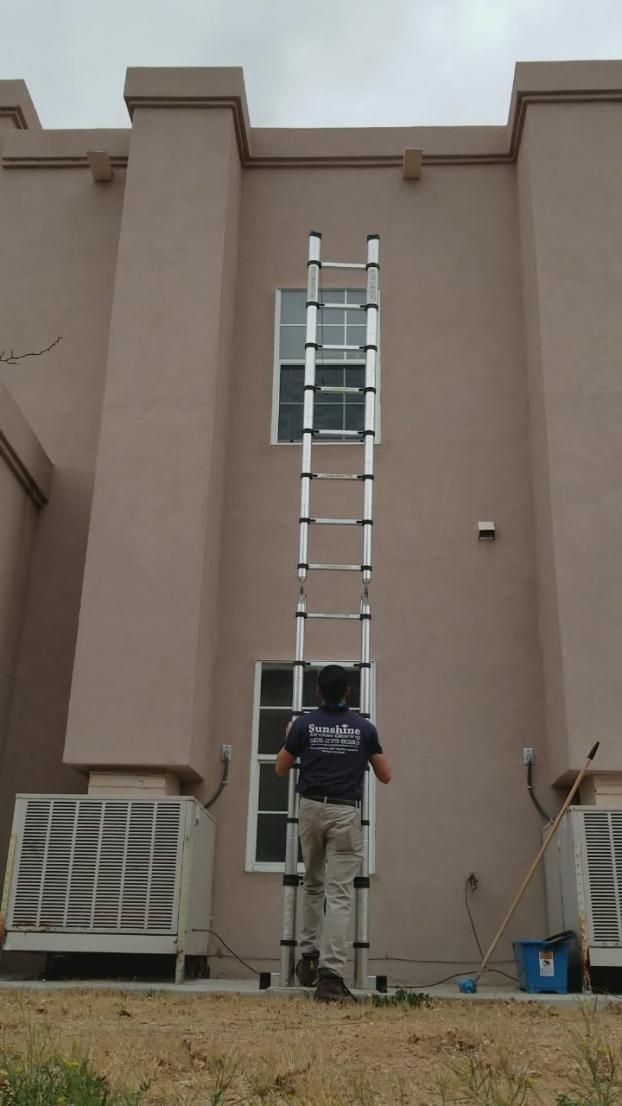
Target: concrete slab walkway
[250,988]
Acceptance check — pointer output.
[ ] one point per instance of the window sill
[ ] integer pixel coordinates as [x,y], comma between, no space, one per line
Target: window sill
[377,441]
[279,869]
[275,869]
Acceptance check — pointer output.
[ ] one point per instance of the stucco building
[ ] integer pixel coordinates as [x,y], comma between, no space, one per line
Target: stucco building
[149,481]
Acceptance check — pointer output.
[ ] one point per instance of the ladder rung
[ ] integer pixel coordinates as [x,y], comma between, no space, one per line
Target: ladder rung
[344,306]
[336,476]
[338,616]
[338,390]
[344,265]
[322,345]
[336,521]
[339,433]
[343,664]
[335,568]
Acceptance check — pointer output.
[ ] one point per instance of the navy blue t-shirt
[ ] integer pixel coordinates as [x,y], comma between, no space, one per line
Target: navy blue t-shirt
[334,745]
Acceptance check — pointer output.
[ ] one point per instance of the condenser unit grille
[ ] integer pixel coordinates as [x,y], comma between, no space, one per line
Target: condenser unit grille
[98,864]
[602,834]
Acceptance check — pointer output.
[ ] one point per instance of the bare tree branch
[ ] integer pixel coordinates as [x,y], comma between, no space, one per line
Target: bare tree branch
[13,358]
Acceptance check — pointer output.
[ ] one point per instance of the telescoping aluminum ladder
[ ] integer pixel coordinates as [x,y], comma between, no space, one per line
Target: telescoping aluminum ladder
[364,437]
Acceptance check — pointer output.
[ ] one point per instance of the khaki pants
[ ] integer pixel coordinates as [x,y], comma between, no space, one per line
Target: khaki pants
[330,837]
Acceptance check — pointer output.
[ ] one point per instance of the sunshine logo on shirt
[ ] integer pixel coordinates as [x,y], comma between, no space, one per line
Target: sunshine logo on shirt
[337,739]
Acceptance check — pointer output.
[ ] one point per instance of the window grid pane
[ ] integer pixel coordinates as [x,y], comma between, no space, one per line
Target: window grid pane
[271,838]
[272,790]
[290,422]
[292,342]
[334,328]
[272,726]
[277,685]
[293,307]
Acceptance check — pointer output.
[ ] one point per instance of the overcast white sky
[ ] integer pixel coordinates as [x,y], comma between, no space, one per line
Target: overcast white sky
[306,62]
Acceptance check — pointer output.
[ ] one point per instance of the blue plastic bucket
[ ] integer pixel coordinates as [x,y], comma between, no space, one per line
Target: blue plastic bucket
[542,966]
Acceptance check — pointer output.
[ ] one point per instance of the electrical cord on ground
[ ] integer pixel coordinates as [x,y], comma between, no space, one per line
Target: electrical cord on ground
[470,884]
[507,975]
[403,960]
[409,960]
[406,960]
[400,959]
[230,950]
[455,975]
[220,789]
[533,796]
[435,983]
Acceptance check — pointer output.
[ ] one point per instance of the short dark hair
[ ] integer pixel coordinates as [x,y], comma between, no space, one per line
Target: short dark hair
[333,683]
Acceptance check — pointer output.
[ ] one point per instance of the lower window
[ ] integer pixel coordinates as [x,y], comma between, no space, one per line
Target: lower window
[331,412]
[267,814]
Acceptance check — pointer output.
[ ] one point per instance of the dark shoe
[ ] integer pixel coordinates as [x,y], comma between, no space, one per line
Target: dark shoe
[307,969]
[331,988]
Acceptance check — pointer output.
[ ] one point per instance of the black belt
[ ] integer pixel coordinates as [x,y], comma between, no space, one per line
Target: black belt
[317,798]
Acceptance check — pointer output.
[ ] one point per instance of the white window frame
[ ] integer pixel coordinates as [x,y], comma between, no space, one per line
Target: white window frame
[257,759]
[276,377]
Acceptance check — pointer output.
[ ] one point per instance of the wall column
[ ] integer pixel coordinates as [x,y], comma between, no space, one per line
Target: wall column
[148,625]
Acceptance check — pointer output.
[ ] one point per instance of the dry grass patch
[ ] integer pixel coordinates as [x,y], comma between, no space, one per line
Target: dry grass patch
[234,1051]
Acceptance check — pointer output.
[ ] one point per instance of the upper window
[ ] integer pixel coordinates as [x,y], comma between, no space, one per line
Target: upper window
[334,367]
[267,813]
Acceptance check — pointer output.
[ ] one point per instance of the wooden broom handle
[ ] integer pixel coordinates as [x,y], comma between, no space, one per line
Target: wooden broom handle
[534,867]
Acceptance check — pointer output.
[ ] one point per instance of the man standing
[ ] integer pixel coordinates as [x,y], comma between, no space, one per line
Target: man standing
[334,745]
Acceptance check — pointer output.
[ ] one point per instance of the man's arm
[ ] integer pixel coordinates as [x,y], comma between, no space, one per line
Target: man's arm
[294,740]
[284,762]
[381,767]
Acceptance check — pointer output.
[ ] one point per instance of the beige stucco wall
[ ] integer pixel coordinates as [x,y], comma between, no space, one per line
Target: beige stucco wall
[454,630]
[571,209]
[140,692]
[18,514]
[25,479]
[58,244]
[500,284]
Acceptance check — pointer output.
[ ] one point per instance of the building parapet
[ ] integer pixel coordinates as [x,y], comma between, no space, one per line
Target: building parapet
[326,147]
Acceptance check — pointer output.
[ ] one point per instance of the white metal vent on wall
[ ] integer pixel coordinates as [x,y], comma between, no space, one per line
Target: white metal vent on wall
[602,837]
[99,864]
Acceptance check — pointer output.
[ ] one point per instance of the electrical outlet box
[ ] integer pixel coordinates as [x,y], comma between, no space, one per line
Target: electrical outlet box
[529,757]
[226,752]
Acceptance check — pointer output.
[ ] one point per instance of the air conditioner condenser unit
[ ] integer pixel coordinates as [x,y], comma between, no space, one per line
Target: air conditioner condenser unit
[583,870]
[109,875]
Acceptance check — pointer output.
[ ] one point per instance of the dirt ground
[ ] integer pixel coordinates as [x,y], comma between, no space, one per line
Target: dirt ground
[291,1050]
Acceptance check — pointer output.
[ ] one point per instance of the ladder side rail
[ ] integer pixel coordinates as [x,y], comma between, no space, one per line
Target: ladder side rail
[361,886]
[290,876]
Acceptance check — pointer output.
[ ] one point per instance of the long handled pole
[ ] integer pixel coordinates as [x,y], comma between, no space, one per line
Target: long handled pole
[536,864]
